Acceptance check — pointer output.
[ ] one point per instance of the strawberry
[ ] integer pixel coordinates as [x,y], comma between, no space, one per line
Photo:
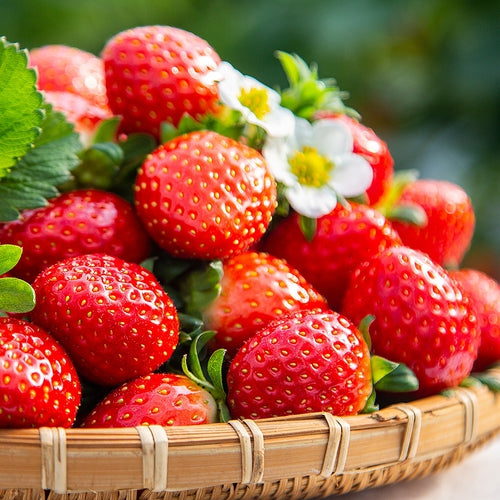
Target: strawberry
[422,318]
[369,145]
[256,288]
[38,382]
[343,239]
[83,113]
[77,222]
[155,399]
[484,293]
[304,362]
[112,316]
[157,74]
[203,195]
[450,220]
[69,69]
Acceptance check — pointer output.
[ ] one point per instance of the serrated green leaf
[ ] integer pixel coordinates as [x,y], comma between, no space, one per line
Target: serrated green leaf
[35,177]
[16,296]
[20,105]
[9,257]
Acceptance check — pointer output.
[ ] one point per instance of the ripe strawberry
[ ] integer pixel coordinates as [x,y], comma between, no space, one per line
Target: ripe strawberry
[83,113]
[422,318]
[155,399]
[369,145]
[256,288]
[484,293]
[156,74]
[343,239]
[203,195]
[303,362]
[112,316]
[74,223]
[64,68]
[38,382]
[448,232]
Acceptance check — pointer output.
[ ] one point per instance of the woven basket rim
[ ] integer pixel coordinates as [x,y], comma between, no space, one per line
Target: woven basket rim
[338,454]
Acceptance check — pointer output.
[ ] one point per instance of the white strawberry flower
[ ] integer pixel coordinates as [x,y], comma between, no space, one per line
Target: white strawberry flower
[259,104]
[316,164]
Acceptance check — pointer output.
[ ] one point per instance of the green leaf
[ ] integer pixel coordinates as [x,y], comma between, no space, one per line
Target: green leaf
[107,130]
[98,165]
[490,381]
[308,226]
[364,328]
[16,296]
[381,367]
[410,213]
[307,93]
[9,257]
[392,377]
[20,105]
[34,179]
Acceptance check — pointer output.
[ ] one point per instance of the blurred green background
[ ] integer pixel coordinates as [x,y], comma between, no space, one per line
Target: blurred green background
[424,75]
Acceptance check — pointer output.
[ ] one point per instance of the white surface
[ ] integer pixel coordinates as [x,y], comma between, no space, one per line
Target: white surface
[476,477]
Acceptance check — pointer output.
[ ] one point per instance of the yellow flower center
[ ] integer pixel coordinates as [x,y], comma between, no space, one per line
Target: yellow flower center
[310,168]
[256,100]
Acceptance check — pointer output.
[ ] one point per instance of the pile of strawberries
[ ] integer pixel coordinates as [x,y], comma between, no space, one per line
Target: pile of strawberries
[261,258]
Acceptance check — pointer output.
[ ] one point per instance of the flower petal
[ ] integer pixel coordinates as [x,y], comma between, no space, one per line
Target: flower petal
[275,152]
[311,202]
[331,138]
[352,175]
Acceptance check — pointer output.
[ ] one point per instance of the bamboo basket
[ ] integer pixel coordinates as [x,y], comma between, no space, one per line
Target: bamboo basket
[297,457]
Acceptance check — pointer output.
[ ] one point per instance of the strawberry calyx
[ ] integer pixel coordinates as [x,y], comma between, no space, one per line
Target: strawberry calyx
[404,212]
[387,376]
[207,375]
[307,93]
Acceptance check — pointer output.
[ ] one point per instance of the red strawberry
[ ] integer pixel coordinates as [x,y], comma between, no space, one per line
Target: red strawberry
[422,318]
[369,145]
[304,362]
[83,113]
[484,293]
[64,68]
[447,234]
[156,74]
[78,222]
[155,399]
[38,382]
[256,288]
[343,239]
[112,316]
[203,195]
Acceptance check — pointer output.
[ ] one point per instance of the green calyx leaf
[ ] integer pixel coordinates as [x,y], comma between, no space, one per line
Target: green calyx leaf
[192,284]
[307,93]
[308,226]
[209,375]
[16,296]
[21,113]
[392,377]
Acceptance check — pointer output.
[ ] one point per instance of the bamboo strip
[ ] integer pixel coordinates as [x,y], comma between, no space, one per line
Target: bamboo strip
[283,454]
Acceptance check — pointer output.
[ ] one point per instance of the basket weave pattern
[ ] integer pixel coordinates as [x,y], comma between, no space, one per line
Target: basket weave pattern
[298,457]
